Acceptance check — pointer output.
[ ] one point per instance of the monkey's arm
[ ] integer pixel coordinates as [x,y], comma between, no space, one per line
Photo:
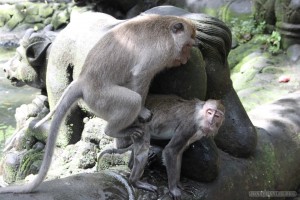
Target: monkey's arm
[141,85]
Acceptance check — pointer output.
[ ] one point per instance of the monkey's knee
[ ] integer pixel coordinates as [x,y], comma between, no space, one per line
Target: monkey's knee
[145,115]
[200,162]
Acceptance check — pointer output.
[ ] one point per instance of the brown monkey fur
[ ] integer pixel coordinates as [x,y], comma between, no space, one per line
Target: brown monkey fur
[116,76]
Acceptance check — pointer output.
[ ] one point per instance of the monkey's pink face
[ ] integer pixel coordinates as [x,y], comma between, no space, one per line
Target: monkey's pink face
[213,121]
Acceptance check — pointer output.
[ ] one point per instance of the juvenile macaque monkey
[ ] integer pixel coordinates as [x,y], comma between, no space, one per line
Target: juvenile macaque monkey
[182,122]
[116,75]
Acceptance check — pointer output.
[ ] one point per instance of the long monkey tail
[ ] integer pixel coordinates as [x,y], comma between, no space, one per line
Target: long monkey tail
[51,113]
[74,92]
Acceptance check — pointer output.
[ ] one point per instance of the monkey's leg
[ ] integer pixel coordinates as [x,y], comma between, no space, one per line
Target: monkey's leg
[120,106]
[172,155]
[141,147]
[141,86]
[170,159]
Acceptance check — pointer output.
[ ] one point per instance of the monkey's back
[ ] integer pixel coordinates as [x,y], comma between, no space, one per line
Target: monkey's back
[171,114]
[144,44]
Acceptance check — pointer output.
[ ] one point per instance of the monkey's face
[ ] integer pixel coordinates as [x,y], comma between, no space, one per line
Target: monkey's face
[213,116]
[184,55]
[184,34]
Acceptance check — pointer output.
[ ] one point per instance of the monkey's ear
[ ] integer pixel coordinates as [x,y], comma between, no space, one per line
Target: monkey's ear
[36,52]
[178,27]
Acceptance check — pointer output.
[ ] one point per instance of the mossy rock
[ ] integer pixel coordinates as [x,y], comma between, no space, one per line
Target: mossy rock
[38,26]
[32,9]
[2,21]
[10,166]
[239,53]
[23,27]
[45,11]
[32,19]
[58,6]
[108,161]
[16,19]
[272,70]
[6,11]
[240,81]
[47,21]
[60,18]
[22,6]
[30,163]
[35,134]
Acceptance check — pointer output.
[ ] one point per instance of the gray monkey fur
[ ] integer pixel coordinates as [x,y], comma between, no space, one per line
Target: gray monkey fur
[116,92]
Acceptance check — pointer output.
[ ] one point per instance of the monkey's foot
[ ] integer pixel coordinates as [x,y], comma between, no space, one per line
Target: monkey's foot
[144,186]
[175,193]
[145,115]
[153,154]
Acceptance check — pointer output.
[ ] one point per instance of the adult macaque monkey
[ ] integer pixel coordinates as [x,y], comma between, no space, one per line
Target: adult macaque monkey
[116,75]
[180,121]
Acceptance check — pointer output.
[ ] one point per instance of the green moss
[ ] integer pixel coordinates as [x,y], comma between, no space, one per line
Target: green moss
[10,174]
[272,70]
[16,19]
[60,18]
[269,165]
[32,9]
[47,21]
[29,163]
[38,26]
[32,19]
[45,11]
[240,53]
[259,95]
[6,12]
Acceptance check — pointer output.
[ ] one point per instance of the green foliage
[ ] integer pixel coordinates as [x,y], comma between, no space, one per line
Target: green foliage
[244,30]
[273,42]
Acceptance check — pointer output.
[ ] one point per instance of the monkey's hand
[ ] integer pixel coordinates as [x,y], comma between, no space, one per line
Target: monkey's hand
[145,115]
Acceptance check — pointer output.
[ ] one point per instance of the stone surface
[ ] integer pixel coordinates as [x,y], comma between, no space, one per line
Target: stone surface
[273,167]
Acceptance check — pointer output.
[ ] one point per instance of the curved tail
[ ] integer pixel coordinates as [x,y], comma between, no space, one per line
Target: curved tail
[51,113]
[73,93]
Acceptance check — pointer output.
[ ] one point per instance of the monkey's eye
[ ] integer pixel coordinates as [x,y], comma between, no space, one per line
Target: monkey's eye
[209,112]
[177,27]
[217,116]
